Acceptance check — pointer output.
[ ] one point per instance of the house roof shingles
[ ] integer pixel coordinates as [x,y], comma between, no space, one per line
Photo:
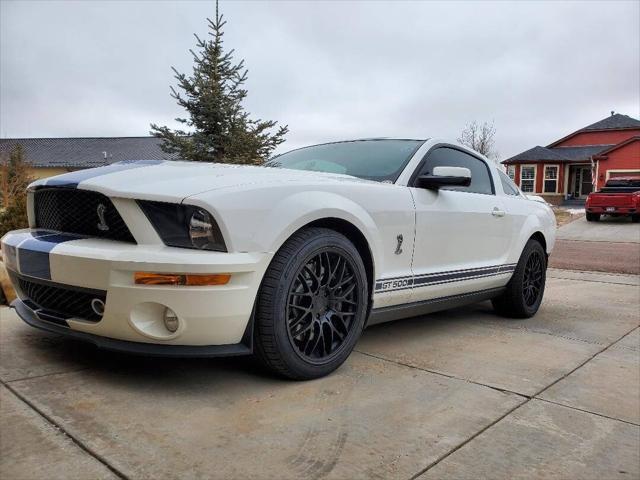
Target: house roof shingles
[536,153]
[580,153]
[86,152]
[617,121]
[558,154]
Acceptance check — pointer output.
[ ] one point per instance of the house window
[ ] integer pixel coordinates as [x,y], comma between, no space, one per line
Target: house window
[550,179]
[511,172]
[527,178]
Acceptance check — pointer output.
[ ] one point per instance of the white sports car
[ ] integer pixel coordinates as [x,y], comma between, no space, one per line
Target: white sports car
[290,262]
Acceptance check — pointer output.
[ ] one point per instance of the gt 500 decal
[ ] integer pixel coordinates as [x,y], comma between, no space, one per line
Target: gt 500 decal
[394,284]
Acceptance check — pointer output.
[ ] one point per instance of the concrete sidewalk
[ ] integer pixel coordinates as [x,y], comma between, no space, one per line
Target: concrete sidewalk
[459,394]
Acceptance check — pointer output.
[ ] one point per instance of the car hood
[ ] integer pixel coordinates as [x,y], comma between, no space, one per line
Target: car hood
[171,180]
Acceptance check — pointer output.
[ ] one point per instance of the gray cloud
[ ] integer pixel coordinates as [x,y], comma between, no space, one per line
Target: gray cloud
[331,70]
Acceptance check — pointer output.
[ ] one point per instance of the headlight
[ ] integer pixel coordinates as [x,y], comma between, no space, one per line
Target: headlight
[201,230]
[184,226]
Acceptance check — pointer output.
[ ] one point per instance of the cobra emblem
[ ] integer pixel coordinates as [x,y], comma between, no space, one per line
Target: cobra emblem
[102,224]
[400,238]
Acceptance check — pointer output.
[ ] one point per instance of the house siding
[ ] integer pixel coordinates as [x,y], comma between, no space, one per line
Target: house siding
[539,183]
[598,138]
[625,158]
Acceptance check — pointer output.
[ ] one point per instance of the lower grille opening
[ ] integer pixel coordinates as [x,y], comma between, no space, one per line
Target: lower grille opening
[56,303]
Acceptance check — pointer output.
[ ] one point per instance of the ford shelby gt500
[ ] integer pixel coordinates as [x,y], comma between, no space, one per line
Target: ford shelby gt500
[290,260]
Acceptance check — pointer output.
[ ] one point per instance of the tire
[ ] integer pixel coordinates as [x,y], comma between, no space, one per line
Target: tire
[593,217]
[298,332]
[635,218]
[525,290]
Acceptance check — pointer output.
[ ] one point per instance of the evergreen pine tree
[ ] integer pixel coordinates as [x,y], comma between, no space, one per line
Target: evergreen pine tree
[218,127]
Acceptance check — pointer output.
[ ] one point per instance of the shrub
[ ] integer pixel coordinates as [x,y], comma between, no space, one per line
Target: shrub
[14,179]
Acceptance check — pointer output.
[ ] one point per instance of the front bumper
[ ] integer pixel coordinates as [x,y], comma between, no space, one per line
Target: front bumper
[136,348]
[133,314]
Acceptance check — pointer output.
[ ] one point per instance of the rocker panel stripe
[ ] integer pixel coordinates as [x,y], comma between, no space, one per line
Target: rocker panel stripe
[438,278]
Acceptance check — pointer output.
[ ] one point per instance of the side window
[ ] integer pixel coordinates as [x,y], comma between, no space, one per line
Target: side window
[507,185]
[449,157]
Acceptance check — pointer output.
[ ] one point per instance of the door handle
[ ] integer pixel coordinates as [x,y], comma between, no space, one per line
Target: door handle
[497,212]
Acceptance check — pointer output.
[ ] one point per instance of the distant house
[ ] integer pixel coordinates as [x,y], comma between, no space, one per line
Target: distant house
[574,165]
[52,156]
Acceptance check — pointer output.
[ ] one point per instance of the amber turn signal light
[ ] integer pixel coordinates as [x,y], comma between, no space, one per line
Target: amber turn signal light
[187,279]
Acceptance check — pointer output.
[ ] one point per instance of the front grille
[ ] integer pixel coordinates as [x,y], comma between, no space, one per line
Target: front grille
[79,211]
[60,301]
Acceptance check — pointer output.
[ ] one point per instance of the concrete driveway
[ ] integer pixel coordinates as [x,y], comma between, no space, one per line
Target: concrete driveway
[460,394]
[610,245]
[608,229]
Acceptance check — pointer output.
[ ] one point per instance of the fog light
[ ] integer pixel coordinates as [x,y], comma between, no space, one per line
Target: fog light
[171,320]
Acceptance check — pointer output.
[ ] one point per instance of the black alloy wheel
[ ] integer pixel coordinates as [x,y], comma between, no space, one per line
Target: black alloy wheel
[322,306]
[523,294]
[533,277]
[312,305]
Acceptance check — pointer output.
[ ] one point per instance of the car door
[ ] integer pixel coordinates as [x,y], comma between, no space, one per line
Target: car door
[517,210]
[462,233]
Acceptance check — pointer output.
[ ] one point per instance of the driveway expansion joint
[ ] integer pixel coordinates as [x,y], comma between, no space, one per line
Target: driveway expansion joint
[541,332]
[14,380]
[64,432]
[587,411]
[525,402]
[446,375]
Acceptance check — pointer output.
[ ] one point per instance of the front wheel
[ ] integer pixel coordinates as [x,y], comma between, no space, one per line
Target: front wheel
[635,218]
[312,305]
[524,292]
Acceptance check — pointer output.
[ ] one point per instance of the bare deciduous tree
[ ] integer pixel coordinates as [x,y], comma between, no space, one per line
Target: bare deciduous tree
[481,138]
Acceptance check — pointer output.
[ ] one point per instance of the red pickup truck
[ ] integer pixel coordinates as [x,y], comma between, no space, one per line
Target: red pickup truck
[619,197]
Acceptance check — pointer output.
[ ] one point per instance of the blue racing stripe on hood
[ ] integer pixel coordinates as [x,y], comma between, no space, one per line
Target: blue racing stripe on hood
[28,252]
[72,179]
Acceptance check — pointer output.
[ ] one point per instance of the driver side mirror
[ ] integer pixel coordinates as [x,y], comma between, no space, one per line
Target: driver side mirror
[445,177]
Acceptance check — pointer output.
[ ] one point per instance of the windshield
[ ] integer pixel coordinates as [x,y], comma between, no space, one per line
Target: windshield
[379,160]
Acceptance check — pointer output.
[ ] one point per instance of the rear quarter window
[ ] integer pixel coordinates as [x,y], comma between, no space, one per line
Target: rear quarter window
[508,186]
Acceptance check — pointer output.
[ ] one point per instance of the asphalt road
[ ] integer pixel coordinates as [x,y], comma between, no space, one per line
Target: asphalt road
[611,245]
[459,394]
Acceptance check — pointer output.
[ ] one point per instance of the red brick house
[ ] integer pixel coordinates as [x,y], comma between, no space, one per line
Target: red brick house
[577,164]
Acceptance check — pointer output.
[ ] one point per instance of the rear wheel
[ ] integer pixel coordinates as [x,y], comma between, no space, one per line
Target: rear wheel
[312,305]
[635,218]
[593,217]
[525,290]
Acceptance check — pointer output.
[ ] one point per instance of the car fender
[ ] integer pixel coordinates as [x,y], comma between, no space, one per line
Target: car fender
[307,207]
[536,222]
[265,222]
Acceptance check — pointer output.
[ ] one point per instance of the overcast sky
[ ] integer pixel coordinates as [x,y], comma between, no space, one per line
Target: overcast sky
[330,70]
